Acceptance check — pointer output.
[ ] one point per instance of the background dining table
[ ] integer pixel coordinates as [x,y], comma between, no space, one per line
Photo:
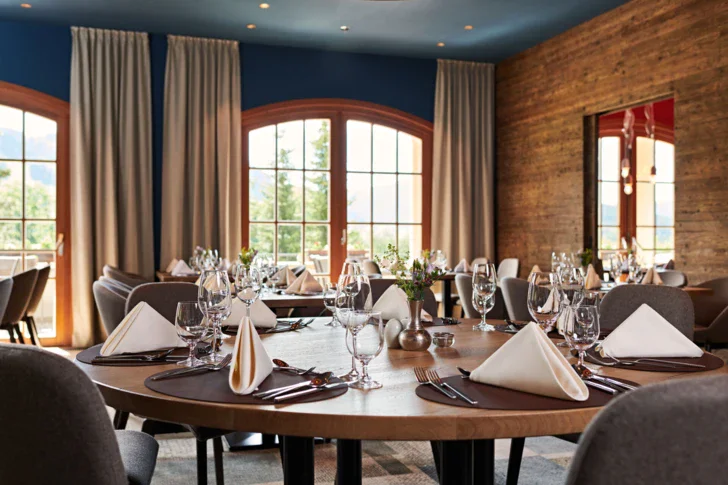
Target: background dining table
[464,436]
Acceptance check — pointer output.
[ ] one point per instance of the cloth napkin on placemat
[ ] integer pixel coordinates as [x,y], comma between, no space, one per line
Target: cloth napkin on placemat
[182,269]
[530,362]
[463,267]
[646,333]
[651,278]
[251,363]
[141,330]
[262,316]
[592,280]
[393,304]
[305,284]
[535,269]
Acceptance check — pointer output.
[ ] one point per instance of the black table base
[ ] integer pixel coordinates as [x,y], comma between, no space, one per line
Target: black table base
[298,464]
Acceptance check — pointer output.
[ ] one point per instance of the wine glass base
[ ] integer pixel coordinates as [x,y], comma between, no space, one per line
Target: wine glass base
[562,344]
[363,385]
[351,377]
[213,358]
[484,327]
[190,362]
[333,323]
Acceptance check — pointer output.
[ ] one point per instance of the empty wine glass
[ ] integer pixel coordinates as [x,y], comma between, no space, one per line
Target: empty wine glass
[485,282]
[343,314]
[555,262]
[582,330]
[191,328]
[483,303]
[215,300]
[544,299]
[248,285]
[365,340]
[329,296]
[615,269]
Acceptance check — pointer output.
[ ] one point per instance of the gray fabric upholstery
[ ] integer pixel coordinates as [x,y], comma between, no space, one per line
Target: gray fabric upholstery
[38,289]
[131,280]
[479,261]
[110,304]
[55,428]
[670,277]
[668,434]
[379,286]
[515,294]
[163,297]
[20,295]
[116,284]
[138,453]
[672,303]
[711,313]
[6,288]
[464,285]
[508,268]
[369,266]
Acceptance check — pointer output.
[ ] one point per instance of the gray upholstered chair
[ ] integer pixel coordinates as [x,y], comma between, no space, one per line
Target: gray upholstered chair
[111,305]
[672,303]
[671,277]
[6,288]
[515,294]
[668,433]
[711,314]
[68,429]
[464,285]
[479,261]
[379,286]
[20,295]
[123,287]
[38,289]
[370,267]
[508,268]
[129,279]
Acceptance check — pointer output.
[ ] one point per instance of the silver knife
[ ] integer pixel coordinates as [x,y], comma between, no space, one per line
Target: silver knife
[460,394]
[686,364]
[602,387]
[305,392]
[613,382]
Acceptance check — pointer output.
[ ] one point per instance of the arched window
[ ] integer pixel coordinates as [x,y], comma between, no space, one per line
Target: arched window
[330,179]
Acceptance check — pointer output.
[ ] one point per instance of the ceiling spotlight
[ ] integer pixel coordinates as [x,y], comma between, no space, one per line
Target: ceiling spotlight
[251,26]
[440,44]
[468,27]
[25,5]
[264,6]
[344,28]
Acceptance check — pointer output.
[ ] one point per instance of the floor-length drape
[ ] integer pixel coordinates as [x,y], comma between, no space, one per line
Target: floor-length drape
[201,192]
[111,164]
[463,160]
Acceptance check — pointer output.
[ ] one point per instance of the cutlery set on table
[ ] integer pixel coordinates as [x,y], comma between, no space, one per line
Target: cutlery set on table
[161,356]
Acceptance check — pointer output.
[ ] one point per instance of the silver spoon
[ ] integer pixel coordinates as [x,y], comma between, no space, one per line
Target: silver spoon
[283,365]
[586,373]
[317,381]
[465,373]
[316,388]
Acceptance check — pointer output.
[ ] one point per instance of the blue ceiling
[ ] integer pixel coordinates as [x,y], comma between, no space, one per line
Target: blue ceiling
[502,28]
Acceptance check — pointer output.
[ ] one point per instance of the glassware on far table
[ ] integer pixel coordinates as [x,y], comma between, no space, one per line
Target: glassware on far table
[615,269]
[215,300]
[248,284]
[544,299]
[582,330]
[365,340]
[485,283]
[191,328]
[329,296]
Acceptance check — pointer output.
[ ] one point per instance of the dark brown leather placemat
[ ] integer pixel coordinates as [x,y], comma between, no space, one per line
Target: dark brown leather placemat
[552,334]
[710,361]
[492,397]
[214,387]
[88,355]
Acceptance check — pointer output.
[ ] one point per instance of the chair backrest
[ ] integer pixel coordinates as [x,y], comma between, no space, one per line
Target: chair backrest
[40,285]
[479,261]
[23,284]
[508,268]
[119,284]
[298,270]
[671,277]
[657,434]
[110,304]
[129,279]
[380,285]
[673,304]
[369,266]
[64,437]
[515,294]
[709,305]
[9,265]
[464,285]
[163,297]
[6,288]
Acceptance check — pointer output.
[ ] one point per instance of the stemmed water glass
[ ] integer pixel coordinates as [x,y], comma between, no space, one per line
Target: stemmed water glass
[572,293]
[191,328]
[615,260]
[248,285]
[330,295]
[582,330]
[544,299]
[365,340]
[215,300]
[485,283]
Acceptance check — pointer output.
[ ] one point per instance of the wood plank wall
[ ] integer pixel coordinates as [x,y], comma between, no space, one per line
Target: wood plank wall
[643,50]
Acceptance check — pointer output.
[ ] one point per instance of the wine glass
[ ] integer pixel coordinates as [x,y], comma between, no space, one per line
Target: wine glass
[343,314]
[555,262]
[544,299]
[483,303]
[329,296]
[190,325]
[485,282]
[248,285]
[439,259]
[582,330]
[215,301]
[365,340]
[615,270]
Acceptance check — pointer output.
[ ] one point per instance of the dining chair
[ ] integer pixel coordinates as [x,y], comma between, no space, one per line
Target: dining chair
[65,437]
[671,277]
[298,270]
[370,267]
[35,299]
[111,305]
[711,314]
[129,279]
[116,284]
[479,261]
[668,433]
[515,295]
[464,285]
[508,268]
[9,265]
[673,304]
[379,286]
[22,291]
[6,288]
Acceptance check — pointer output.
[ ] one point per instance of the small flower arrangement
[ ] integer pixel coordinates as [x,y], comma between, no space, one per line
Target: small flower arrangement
[413,279]
[247,255]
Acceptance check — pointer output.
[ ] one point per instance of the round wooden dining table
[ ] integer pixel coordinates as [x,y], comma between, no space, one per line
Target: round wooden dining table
[463,437]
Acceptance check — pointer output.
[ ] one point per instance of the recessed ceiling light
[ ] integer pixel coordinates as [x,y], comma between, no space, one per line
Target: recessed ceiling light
[251,26]
[468,27]
[264,6]
[440,44]
[25,5]
[344,28]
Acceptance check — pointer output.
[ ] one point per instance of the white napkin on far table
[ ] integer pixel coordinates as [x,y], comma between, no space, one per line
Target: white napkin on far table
[651,278]
[305,283]
[141,330]
[646,333]
[592,280]
[171,265]
[535,269]
[393,304]
[182,269]
[530,362]
[251,363]
[262,316]
[463,267]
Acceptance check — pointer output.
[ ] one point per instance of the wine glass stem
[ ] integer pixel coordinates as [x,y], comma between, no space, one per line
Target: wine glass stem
[483,323]
[353,366]
[247,311]
[192,346]
[581,359]
[365,372]
[215,335]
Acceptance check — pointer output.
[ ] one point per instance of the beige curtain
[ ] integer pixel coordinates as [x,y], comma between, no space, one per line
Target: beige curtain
[201,178]
[111,165]
[463,160]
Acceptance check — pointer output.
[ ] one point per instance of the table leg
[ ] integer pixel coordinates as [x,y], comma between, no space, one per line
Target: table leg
[348,462]
[456,462]
[484,462]
[514,460]
[298,467]
[447,298]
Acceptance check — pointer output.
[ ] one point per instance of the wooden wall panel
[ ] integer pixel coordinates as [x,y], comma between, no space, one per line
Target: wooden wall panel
[641,51]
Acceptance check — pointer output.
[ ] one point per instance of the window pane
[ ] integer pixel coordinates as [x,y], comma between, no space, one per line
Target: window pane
[409,240]
[609,158]
[290,195]
[262,147]
[317,196]
[409,153]
[410,198]
[40,235]
[262,195]
[662,257]
[385,149]
[11,133]
[358,241]
[318,144]
[664,238]
[645,204]
[46,312]
[290,144]
[665,162]
[609,203]
[644,159]
[261,237]
[40,190]
[11,235]
[384,235]
[385,198]
[359,195]
[40,138]
[609,238]
[665,204]
[646,237]
[289,243]
[358,146]
[317,248]
[11,189]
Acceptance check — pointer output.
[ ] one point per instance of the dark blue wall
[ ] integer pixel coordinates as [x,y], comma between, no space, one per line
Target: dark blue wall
[38,56]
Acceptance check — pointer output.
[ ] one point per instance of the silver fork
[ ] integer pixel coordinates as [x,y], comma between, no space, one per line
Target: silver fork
[435,377]
[207,367]
[421,375]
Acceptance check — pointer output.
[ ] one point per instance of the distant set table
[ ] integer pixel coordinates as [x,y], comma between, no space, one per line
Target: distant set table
[165,277]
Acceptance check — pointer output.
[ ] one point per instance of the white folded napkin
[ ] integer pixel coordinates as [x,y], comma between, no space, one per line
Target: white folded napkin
[262,316]
[463,267]
[651,278]
[530,362]
[182,269]
[592,280]
[251,363]
[551,301]
[394,304]
[305,283]
[286,277]
[646,333]
[171,265]
[535,269]
[142,329]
